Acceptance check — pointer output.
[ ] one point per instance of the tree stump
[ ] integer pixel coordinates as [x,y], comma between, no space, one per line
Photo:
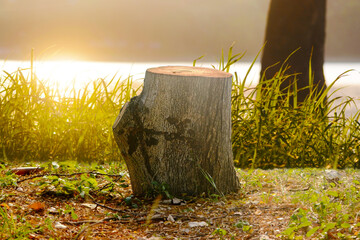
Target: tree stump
[177,132]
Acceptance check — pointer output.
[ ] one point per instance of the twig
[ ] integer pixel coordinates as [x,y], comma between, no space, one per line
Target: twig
[69,175]
[156,217]
[112,209]
[300,189]
[91,225]
[88,221]
[110,184]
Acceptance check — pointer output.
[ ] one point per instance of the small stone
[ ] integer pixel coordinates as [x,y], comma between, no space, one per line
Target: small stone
[251,203]
[167,201]
[264,237]
[332,175]
[177,201]
[221,203]
[53,210]
[59,225]
[170,218]
[89,205]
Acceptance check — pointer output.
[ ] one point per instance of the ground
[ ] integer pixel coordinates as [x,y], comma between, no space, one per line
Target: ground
[269,206]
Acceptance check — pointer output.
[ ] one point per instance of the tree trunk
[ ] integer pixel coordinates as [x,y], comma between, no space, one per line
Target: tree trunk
[177,132]
[292,25]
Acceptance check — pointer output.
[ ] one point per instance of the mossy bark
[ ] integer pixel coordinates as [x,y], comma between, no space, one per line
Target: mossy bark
[177,132]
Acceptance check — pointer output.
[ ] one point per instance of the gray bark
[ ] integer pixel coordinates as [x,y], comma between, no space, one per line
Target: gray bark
[178,130]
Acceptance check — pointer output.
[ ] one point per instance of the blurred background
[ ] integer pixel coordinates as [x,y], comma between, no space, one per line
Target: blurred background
[156,30]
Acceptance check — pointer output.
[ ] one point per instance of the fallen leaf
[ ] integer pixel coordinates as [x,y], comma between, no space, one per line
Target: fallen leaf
[37,206]
[5,205]
[258,212]
[26,170]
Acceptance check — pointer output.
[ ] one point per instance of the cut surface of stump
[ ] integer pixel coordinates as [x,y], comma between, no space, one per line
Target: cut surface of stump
[177,133]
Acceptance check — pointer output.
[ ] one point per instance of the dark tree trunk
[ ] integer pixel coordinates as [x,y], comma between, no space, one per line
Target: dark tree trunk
[294,24]
[177,132]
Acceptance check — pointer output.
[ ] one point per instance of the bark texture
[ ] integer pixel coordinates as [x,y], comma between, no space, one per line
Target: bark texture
[292,25]
[177,132]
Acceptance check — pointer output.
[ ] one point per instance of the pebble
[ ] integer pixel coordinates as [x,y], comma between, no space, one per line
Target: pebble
[198,224]
[59,225]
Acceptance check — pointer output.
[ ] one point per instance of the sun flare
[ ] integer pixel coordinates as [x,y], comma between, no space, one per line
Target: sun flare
[71,74]
[65,74]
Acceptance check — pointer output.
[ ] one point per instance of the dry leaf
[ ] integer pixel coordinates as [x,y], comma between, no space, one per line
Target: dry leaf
[258,212]
[26,170]
[37,206]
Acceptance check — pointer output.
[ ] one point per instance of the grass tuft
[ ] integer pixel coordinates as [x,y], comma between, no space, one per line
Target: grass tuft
[39,123]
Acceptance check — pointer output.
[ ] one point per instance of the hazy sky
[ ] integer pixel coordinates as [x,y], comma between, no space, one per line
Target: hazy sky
[156,30]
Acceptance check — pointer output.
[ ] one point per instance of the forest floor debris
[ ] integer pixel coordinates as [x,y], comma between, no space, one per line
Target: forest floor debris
[272,204]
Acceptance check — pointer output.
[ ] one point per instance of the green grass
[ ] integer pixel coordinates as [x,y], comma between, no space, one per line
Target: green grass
[324,207]
[40,123]
[17,227]
[37,122]
[271,130]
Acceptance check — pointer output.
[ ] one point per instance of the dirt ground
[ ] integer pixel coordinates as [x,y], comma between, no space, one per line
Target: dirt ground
[260,210]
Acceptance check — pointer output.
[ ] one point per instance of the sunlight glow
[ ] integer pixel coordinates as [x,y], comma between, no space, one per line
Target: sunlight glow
[69,74]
